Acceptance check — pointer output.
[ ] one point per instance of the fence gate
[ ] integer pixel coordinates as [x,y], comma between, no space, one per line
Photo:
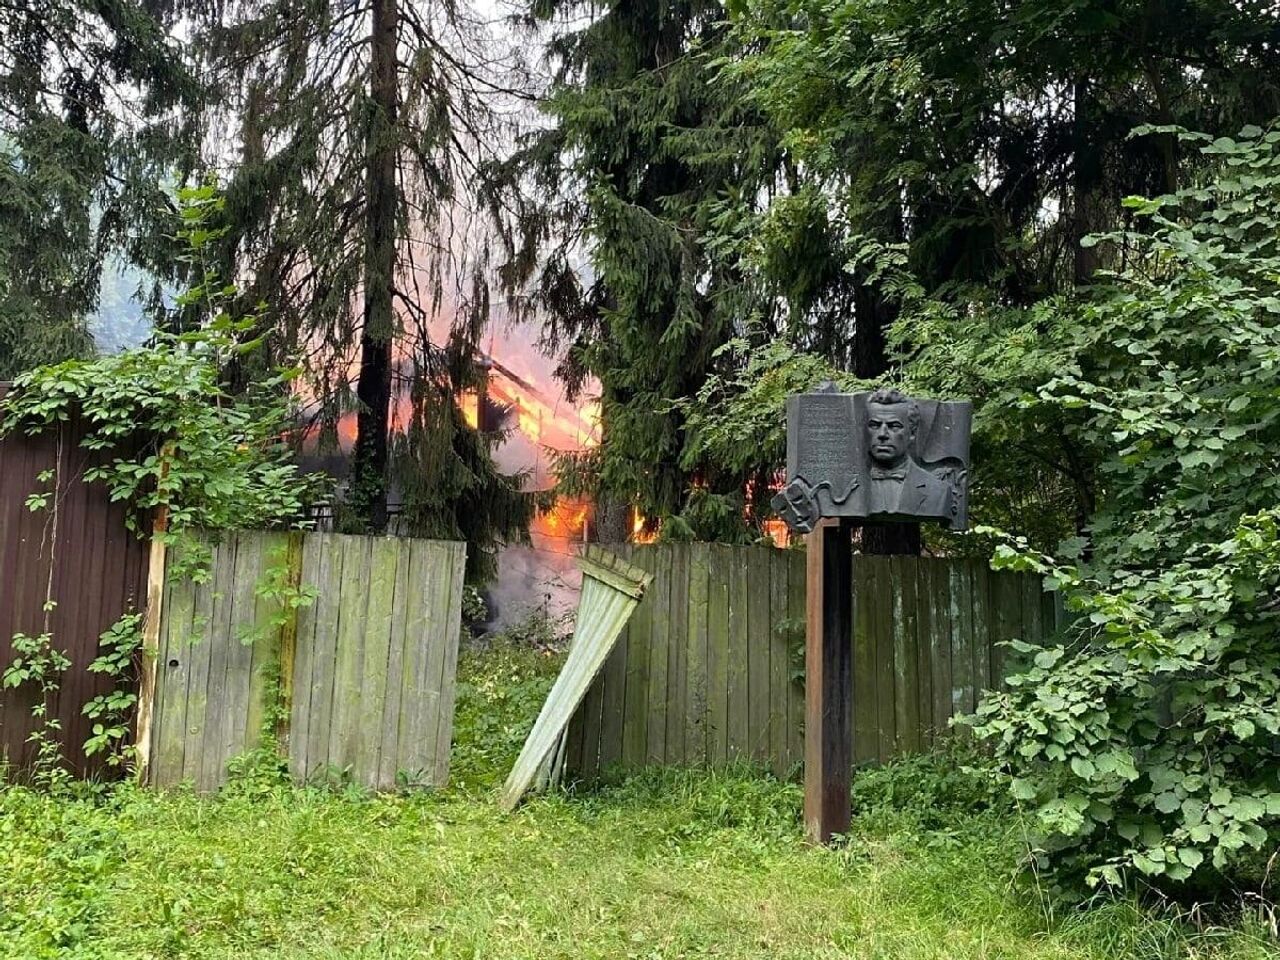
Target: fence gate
[363,678]
[710,667]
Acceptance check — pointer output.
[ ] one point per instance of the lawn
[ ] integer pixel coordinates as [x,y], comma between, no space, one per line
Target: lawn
[676,864]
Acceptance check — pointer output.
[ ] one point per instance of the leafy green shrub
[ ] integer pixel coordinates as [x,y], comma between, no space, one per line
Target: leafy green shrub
[1147,741]
[927,792]
[501,687]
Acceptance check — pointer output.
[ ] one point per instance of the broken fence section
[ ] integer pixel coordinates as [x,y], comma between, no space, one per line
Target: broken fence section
[611,589]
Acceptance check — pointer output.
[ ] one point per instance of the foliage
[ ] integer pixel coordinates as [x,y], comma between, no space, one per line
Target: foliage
[361,126]
[501,687]
[94,100]
[474,610]
[112,712]
[672,863]
[214,460]
[1146,741]
[452,488]
[38,663]
[617,211]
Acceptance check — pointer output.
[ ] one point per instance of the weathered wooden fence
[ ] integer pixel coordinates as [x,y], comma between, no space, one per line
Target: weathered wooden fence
[362,679]
[84,558]
[709,669]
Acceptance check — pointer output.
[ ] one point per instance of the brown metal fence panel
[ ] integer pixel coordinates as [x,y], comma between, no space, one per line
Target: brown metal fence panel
[84,558]
[709,669]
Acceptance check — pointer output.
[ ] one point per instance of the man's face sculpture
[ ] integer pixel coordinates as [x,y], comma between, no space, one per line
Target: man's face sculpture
[888,432]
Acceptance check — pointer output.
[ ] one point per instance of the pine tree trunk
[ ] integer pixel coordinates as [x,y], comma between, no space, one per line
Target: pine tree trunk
[368,498]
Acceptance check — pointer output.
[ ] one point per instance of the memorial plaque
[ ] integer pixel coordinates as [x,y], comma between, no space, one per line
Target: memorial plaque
[875,456]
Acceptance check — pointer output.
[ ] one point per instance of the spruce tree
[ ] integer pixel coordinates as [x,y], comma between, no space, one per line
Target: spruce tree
[95,117]
[359,128]
[614,204]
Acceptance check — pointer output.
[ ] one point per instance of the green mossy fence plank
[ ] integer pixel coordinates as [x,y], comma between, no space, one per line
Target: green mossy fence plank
[372,672]
[737,690]
[678,654]
[696,736]
[304,666]
[759,634]
[925,635]
[635,725]
[174,666]
[718,656]
[866,744]
[659,654]
[795,687]
[906,683]
[781,631]
[983,622]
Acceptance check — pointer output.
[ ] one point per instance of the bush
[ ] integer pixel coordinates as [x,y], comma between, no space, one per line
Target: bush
[1146,742]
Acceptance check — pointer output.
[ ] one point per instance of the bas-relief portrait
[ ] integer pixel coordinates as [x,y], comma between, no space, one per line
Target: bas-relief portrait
[878,455]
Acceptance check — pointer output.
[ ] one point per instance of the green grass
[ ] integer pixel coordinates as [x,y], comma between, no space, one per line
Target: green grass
[673,864]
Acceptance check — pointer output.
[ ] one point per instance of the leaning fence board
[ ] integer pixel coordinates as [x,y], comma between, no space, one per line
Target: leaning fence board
[926,635]
[368,669]
[611,589]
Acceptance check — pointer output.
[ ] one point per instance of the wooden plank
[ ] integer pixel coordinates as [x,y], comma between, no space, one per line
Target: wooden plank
[271,551]
[1006,589]
[906,655]
[983,627]
[737,696]
[172,671]
[287,643]
[592,713]
[882,588]
[962,681]
[389,757]
[602,613]
[696,741]
[305,660]
[756,562]
[678,708]
[780,667]
[328,617]
[866,725]
[376,636]
[199,656]
[924,567]
[348,662]
[1033,611]
[614,704]
[1062,617]
[718,654]
[149,666]
[423,660]
[450,636]
[940,645]
[1048,612]
[828,756]
[639,631]
[211,749]
[796,689]
[658,599]
[241,639]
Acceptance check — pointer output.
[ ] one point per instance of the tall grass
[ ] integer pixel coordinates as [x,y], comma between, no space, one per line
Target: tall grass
[668,864]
